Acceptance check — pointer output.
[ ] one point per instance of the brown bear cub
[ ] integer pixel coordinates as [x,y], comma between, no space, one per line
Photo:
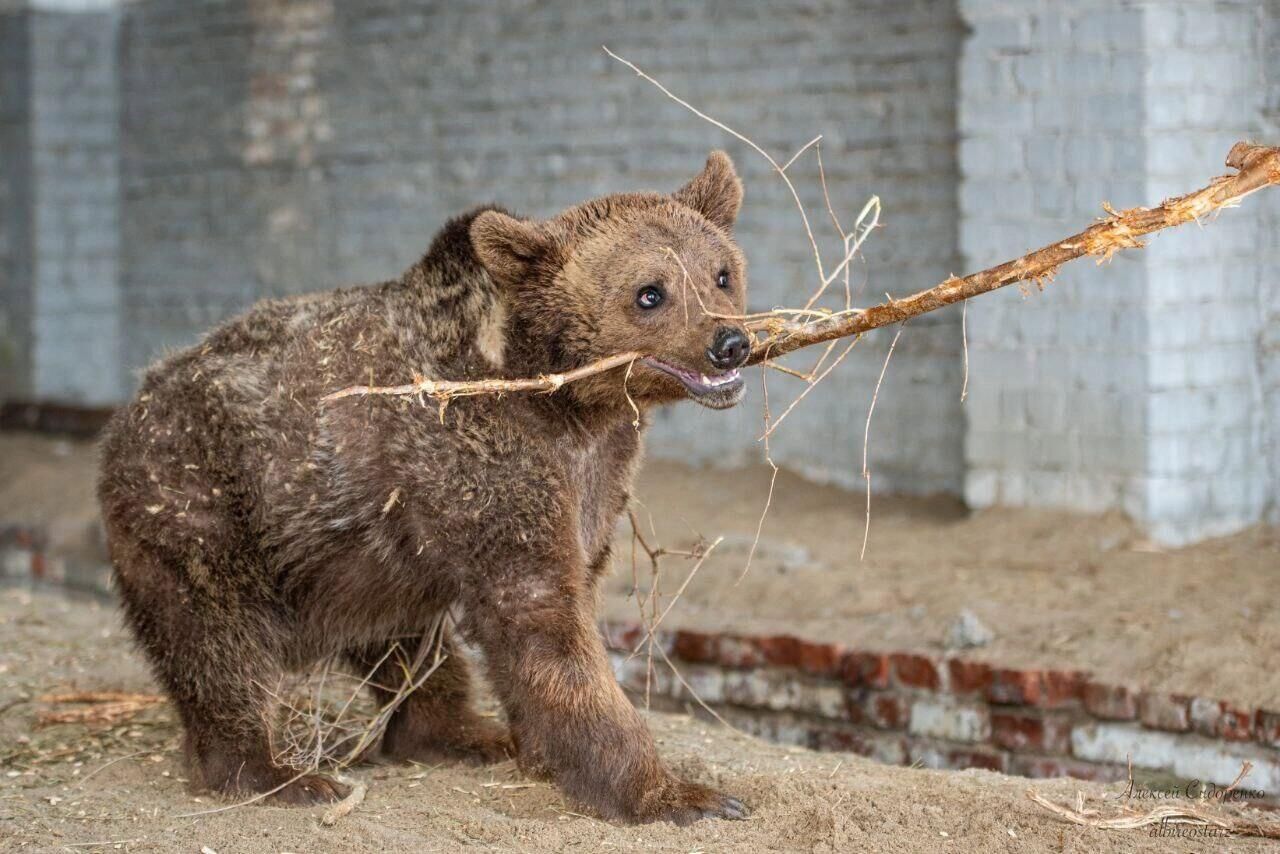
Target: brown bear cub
[256,528]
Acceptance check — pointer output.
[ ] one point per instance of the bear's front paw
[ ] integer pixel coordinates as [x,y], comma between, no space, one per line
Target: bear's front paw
[684,803]
[308,790]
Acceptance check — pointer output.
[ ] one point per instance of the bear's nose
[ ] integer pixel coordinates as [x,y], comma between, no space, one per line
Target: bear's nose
[729,348]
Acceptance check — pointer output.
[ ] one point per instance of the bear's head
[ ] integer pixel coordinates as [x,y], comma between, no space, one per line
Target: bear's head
[654,273]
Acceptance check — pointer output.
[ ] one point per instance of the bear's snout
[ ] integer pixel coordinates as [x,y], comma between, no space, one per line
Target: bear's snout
[729,348]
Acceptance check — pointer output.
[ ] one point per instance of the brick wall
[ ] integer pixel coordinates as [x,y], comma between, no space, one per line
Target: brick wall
[1139,386]
[75,152]
[1205,89]
[289,146]
[1048,127]
[15,207]
[948,712]
[59,204]
[1268,247]
[186,157]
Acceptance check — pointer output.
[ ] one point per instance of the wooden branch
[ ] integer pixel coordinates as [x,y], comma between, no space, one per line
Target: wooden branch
[445,389]
[1257,167]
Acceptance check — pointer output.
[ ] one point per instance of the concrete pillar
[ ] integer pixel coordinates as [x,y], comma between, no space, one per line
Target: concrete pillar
[61,205]
[1135,386]
[16,298]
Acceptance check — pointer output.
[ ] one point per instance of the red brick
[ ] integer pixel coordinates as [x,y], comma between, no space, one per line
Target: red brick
[992,760]
[968,677]
[777,650]
[1110,702]
[1168,712]
[733,651]
[37,565]
[1049,689]
[24,538]
[622,637]
[1063,688]
[1029,732]
[1220,719]
[865,670]
[1236,725]
[1017,687]
[1267,727]
[915,671]
[881,709]
[697,647]
[819,659]
[1042,767]
[939,754]
[881,746]
[838,740]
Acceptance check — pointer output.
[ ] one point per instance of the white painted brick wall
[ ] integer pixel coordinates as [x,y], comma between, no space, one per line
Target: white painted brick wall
[1062,363]
[1267,255]
[416,113]
[1143,386]
[944,718]
[74,109]
[270,148]
[1187,756]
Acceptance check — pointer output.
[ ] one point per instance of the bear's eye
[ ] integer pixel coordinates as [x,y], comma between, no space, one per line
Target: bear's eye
[650,296]
[722,280]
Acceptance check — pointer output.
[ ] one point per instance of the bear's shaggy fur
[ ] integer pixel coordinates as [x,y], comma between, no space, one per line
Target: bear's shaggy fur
[255,528]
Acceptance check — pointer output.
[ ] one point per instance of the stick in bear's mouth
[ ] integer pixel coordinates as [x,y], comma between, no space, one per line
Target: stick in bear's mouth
[695,382]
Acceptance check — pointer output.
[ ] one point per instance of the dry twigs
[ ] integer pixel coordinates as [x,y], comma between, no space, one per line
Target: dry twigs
[444,390]
[1259,167]
[96,707]
[1180,819]
[778,334]
[328,727]
[1128,818]
[651,618]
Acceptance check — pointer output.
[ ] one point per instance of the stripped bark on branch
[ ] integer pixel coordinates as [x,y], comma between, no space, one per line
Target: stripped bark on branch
[1258,166]
[778,334]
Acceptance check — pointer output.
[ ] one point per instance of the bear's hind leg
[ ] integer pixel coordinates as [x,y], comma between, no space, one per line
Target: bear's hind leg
[436,721]
[215,665]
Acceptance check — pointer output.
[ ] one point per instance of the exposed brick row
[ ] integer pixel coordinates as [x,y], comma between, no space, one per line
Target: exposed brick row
[950,712]
[897,707]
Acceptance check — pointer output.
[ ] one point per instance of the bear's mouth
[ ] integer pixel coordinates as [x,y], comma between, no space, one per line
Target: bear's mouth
[718,392]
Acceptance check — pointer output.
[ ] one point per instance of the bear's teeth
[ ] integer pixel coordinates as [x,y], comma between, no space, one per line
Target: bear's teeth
[720,380]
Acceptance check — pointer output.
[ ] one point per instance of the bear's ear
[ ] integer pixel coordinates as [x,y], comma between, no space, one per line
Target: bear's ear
[507,246]
[716,192]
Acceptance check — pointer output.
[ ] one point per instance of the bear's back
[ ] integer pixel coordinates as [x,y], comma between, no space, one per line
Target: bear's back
[220,428]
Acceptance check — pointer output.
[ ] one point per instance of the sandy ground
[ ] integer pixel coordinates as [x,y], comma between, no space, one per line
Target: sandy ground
[72,788]
[1056,589]
[50,483]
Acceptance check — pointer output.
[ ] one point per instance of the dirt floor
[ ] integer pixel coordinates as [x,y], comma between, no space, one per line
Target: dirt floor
[1056,589]
[68,787]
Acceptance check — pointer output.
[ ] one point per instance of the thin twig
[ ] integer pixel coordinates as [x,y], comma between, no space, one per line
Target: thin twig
[866,438]
[964,342]
[101,768]
[1175,814]
[1258,167]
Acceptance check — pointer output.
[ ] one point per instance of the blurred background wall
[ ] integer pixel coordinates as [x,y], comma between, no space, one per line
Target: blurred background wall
[167,162]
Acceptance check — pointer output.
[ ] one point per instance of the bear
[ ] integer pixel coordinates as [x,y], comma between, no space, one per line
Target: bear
[256,527]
